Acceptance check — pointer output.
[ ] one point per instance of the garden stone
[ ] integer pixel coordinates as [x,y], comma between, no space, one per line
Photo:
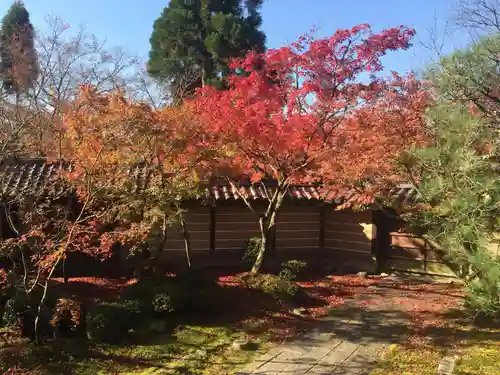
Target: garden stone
[300,311]
[447,365]
[243,344]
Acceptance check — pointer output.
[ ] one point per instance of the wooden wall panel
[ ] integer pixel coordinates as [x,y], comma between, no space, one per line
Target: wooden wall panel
[407,241]
[348,216]
[348,231]
[355,246]
[348,237]
[233,225]
[411,253]
[198,224]
[298,227]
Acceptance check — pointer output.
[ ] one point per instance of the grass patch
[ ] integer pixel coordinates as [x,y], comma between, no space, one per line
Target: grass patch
[191,349]
[480,355]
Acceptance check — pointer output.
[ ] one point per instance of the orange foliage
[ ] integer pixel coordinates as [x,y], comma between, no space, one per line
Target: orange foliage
[109,140]
[107,134]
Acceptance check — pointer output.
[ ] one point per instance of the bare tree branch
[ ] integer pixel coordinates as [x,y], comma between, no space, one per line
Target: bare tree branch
[481,16]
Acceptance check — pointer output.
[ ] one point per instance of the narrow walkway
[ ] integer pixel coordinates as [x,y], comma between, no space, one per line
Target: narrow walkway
[348,343]
[323,355]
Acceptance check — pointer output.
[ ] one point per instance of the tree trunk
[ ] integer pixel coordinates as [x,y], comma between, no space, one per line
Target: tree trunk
[65,275]
[187,240]
[267,223]
[39,311]
[43,299]
[155,262]
[263,245]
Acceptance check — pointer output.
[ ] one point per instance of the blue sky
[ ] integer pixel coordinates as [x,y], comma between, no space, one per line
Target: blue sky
[128,23]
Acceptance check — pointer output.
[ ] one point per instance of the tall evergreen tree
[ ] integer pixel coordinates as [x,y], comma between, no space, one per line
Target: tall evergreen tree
[18,58]
[193,40]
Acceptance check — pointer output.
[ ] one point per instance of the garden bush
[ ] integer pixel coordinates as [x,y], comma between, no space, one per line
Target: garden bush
[251,250]
[162,303]
[483,293]
[67,318]
[21,309]
[156,297]
[112,321]
[291,269]
[281,289]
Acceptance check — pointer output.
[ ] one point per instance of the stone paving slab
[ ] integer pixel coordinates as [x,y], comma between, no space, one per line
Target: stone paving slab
[336,357]
[347,344]
[342,353]
[318,353]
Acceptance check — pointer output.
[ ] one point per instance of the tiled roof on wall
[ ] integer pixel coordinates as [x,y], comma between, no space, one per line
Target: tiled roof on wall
[36,176]
[31,177]
[258,192]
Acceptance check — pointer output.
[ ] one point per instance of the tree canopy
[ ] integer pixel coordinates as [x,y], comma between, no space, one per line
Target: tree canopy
[19,66]
[193,41]
[457,176]
[305,116]
[471,75]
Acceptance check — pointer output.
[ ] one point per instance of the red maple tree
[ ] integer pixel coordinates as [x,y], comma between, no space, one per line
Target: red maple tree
[312,111]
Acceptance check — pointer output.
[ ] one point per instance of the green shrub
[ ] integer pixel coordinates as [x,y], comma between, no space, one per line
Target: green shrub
[21,310]
[156,297]
[112,321]
[483,293]
[279,288]
[251,250]
[291,269]
[162,303]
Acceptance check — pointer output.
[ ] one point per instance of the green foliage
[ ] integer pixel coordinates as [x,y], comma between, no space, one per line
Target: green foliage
[458,174]
[21,309]
[484,291]
[155,297]
[155,353]
[471,75]
[18,58]
[193,41]
[281,289]
[162,303]
[251,250]
[291,269]
[111,322]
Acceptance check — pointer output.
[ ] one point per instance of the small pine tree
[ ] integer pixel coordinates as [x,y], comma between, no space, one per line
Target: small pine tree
[18,57]
[458,175]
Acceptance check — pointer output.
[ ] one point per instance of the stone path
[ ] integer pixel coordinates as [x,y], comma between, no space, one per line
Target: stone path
[320,353]
[348,343]
[335,356]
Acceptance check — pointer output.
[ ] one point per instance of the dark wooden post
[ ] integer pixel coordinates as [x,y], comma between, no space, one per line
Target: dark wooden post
[381,245]
[212,227]
[322,226]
